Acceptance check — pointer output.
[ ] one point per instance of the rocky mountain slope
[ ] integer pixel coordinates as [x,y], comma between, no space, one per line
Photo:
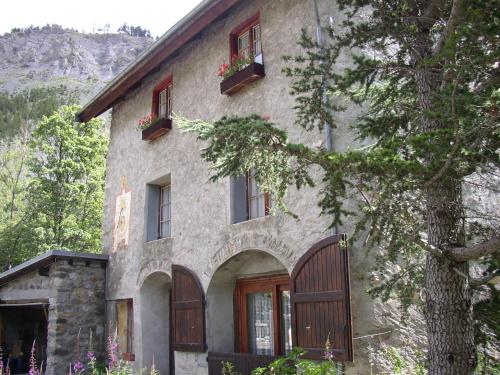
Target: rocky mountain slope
[53,56]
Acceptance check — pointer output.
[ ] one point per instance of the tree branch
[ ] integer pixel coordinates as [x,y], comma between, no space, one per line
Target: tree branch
[485,279]
[453,20]
[468,253]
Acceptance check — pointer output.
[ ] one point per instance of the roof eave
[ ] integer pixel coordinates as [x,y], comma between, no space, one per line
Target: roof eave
[46,259]
[181,33]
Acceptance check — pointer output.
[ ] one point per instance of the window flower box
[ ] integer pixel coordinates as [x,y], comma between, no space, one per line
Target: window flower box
[156,129]
[242,78]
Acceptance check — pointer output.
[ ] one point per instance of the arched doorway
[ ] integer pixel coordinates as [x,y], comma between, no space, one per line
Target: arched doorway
[155,322]
[248,306]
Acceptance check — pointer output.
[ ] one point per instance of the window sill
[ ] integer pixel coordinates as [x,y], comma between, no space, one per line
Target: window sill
[169,238]
[242,78]
[254,220]
[157,129]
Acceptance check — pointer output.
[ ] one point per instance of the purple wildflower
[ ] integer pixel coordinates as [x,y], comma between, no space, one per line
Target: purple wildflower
[328,349]
[78,367]
[1,361]
[112,357]
[91,356]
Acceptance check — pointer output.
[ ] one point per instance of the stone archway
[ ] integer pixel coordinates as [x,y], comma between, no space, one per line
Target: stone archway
[220,309]
[155,322]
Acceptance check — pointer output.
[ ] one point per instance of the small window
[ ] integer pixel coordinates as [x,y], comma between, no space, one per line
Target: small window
[158,210]
[125,329]
[247,200]
[264,322]
[162,99]
[164,212]
[246,41]
[257,202]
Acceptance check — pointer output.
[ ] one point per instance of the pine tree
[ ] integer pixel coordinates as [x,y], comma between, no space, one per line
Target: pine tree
[427,74]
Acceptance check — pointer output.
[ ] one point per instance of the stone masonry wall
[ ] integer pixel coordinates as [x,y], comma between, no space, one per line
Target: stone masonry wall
[77,307]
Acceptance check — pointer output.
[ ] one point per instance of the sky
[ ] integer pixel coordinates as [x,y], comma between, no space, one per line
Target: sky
[89,15]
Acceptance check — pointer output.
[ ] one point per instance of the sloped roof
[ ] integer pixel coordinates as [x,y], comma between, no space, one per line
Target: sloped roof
[181,33]
[44,260]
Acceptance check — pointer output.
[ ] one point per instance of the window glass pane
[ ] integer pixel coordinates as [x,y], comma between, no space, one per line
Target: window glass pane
[165,229]
[286,322]
[254,210]
[169,102]
[164,212]
[257,48]
[244,44]
[260,323]
[162,108]
[261,205]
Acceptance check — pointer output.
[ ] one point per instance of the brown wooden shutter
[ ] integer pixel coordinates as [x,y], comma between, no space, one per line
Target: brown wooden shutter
[319,290]
[188,311]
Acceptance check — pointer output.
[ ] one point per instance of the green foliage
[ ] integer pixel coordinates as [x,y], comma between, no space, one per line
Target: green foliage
[228,369]
[25,109]
[13,208]
[67,167]
[52,187]
[293,363]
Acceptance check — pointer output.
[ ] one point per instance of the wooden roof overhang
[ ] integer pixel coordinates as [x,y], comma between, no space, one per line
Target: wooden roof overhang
[181,33]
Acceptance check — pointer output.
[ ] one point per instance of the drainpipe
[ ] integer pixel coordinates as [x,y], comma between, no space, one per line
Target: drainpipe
[327,130]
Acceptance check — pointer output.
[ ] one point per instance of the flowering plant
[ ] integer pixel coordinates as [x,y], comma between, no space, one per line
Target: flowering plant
[238,62]
[146,122]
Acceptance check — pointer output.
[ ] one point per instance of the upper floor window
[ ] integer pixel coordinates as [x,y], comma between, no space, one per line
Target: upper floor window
[246,41]
[158,210]
[248,201]
[162,99]
[258,203]
[164,212]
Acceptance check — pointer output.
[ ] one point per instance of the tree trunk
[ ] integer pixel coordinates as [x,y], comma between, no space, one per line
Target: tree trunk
[448,307]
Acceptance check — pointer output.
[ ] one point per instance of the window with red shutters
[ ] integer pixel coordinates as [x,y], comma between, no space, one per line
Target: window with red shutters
[245,40]
[319,290]
[188,311]
[162,99]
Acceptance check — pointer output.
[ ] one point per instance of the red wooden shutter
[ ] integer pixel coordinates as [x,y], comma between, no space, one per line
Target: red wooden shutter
[188,311]
[319,290]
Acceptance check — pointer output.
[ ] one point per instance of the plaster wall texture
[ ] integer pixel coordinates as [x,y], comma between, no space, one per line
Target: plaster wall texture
[75,293]
[203,237]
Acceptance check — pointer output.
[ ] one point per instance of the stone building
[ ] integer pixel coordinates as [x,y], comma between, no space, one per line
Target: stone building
[49,302]
[200,272]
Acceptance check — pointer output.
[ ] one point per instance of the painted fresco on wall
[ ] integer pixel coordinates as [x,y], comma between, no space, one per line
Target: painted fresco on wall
[122,217]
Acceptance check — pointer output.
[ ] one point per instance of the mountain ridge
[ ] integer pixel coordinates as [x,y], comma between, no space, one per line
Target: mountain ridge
[53,56]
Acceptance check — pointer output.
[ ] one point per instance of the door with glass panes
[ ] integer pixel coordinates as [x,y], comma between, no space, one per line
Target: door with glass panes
[263,322]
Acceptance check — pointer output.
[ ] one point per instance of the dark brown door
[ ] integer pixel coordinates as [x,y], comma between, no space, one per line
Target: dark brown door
[188,311]
[319,289]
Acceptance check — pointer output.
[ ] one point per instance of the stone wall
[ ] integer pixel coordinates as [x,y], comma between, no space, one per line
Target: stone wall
[77,307]
[74,290]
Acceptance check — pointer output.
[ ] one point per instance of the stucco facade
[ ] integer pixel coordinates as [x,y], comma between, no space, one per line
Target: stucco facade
[202,236]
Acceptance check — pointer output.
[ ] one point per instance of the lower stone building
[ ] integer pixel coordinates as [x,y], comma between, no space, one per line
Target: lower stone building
[52,303]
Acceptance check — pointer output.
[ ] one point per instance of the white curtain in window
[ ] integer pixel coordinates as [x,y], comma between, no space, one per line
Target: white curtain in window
[260,323]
